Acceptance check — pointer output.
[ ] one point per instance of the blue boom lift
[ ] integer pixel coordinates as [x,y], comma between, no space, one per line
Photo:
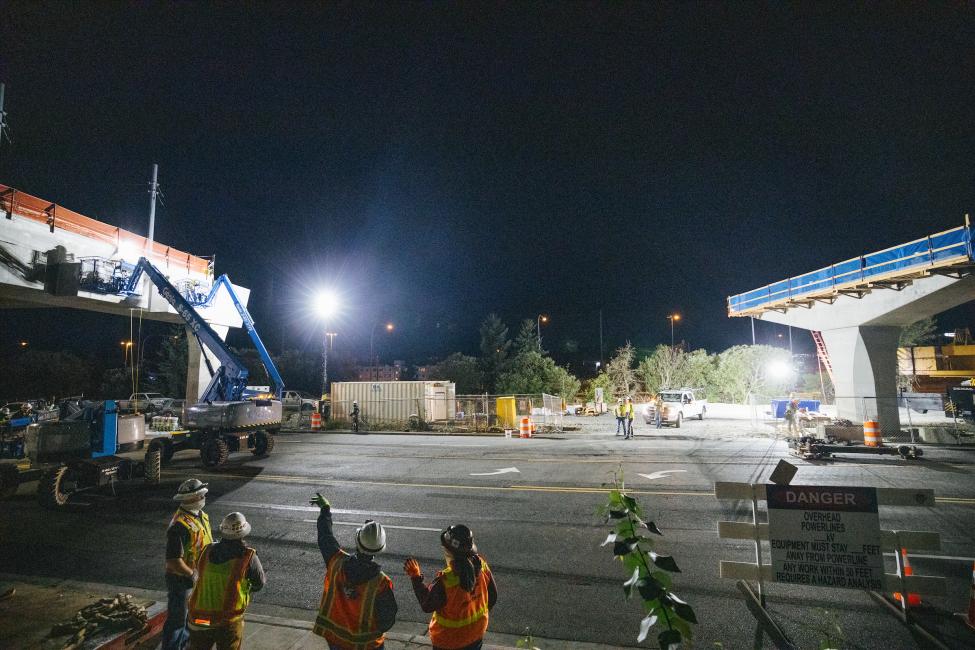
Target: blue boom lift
[222,421]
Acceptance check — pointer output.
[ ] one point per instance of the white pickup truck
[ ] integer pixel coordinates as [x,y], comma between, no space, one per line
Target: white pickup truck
[145,402]
[679,404]
[296,400]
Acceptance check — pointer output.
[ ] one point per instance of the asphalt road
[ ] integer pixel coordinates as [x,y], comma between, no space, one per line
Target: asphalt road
[538,527]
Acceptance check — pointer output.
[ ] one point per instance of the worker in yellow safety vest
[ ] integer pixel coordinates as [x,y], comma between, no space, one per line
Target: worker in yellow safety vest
[620,416]
[357,605]
[187,535]
[461,595]
[629,413]
[229,572]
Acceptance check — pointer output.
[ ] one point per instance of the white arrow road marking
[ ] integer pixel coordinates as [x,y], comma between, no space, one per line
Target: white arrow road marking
[506,470]
[661,473]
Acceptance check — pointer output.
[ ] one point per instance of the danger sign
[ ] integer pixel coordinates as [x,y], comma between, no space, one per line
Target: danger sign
[825,536]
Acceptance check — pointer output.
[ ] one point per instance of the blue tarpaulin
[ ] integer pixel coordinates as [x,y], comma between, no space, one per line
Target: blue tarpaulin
[779,405]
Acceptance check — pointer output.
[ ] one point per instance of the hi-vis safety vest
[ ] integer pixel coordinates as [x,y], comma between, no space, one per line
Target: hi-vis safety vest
[618,411]
[222,592]
[464,619]
[346,614]
[200,535]
[628,410]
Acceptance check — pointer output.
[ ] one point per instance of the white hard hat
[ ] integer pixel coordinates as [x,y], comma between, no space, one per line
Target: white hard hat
[234,526]
[190,490]
[370,539]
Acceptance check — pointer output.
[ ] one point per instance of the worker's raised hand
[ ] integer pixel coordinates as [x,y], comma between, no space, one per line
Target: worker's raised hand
[320,501]
[412,568]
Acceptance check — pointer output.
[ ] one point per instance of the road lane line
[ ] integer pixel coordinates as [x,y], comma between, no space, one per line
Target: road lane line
[311,480]
[352,523]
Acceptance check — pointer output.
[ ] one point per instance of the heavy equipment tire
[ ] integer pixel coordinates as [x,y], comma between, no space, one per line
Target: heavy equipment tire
[50,489]
[165,449]
[701,416]
[214,452]
[680,417]
[153,466]
[263,444]
[9,480]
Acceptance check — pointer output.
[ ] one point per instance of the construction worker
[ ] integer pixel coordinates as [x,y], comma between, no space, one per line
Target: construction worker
[357,606]
[629,410]
[620,417]
[792,416]
[461,595]
[658,408]
[354,415]
[229,572]
[187,535]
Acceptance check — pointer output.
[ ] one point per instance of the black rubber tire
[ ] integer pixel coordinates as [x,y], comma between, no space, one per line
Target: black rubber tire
[153,469]
[49,489]
[701,416]
[9,480]
[263,444]
[677,422]
[214,453]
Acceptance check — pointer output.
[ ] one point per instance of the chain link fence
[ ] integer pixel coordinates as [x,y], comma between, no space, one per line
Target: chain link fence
[454,414]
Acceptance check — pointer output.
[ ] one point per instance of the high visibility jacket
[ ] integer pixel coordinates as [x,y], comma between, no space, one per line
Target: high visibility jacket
[464,619]
[200,535]
[628,410]
[618,411]
[346,614]
[222,592]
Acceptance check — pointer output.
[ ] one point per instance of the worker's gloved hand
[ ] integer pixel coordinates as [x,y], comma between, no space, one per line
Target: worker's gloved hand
[320,501]
[412,568]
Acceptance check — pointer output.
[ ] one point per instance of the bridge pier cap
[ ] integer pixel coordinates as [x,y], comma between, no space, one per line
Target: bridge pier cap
[860,306]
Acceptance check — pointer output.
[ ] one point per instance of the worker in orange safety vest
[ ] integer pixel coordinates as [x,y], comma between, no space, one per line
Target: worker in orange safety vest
[461,595]
[357,606]
[188,534]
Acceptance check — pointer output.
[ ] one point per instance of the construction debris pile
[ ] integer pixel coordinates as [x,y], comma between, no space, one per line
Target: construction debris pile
[107,615]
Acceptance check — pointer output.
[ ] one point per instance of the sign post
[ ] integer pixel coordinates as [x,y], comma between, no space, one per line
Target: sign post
[825,536]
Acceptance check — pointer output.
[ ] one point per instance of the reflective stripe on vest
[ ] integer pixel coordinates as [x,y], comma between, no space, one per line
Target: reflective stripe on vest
[200,535]
[222,592]
[464,618]
[346,614]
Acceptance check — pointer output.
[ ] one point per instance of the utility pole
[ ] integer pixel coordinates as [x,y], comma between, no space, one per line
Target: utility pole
[600,337]
[153,191]
[791,354]
[752,318]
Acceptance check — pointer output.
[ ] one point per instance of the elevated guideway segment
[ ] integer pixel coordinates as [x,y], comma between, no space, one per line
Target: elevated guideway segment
[861,304]
[52,257]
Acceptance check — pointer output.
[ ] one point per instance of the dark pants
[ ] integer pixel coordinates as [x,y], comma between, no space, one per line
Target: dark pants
[225,637]
[175,635]
[629,427]
[658,419]
[620,422]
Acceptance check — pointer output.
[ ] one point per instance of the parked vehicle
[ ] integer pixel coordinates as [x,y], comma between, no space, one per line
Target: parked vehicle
[143,402]
[679,405]
[294,400]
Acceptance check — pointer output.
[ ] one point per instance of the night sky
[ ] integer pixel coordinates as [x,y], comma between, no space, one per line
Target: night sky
[440,161]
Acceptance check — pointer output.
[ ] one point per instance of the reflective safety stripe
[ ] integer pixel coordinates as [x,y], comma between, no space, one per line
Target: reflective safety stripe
[222,592]
[461,622]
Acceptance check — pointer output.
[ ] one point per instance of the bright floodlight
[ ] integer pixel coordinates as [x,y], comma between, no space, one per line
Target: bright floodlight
[779,370]
[129,251]
[326,303]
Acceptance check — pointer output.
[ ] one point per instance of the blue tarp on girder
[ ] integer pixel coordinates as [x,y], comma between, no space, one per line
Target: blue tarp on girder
[942,249]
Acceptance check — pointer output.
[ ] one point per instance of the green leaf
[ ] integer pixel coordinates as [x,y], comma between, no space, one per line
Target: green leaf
[645,625]
[617,514]
[615,498]
[652,527]
[681,626]
[663,579]
[650,589]
[665,562]
[630,503]
[686,612]
[621,548]
[669,640]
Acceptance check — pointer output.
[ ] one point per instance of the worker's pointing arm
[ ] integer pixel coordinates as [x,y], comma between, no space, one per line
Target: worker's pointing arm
[327,543]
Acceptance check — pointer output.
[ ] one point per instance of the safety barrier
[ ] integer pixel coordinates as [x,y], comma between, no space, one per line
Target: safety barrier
[871,433]
[940,250]
[316,421]
[525,430]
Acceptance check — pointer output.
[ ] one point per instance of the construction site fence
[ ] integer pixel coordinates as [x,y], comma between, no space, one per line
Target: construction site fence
[460,413]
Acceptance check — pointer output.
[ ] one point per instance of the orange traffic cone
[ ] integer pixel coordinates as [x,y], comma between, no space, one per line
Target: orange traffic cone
[970,618]
[913,600]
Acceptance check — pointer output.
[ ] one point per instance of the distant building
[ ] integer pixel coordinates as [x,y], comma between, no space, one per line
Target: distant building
[383,372]
[423,373]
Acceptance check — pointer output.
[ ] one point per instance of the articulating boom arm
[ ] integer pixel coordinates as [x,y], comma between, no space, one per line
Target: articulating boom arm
[230,379]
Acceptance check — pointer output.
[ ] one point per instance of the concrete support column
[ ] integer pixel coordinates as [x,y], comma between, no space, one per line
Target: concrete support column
[197,374]
[864,360]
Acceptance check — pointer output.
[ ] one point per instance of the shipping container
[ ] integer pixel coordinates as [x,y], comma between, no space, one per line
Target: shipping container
[394,401]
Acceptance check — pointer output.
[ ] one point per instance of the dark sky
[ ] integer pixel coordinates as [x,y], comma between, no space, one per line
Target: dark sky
[440,161]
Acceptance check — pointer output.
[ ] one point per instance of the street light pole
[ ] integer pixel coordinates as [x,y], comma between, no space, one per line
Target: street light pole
[672,318]
[542,318]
